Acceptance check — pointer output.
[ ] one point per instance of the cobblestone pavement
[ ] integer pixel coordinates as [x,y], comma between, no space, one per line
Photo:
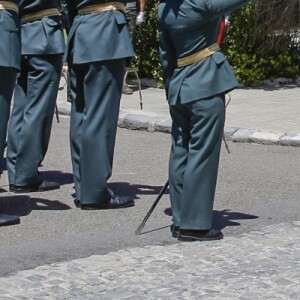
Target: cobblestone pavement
[258,265]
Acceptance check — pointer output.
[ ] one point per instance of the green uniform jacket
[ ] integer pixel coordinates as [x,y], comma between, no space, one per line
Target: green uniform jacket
[186,27]
[10,45]
[87,46]
[41,37]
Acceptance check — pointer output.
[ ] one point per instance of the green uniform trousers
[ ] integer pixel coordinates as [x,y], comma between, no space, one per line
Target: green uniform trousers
[197,130]
[96,91]
[31,118]
[7,83]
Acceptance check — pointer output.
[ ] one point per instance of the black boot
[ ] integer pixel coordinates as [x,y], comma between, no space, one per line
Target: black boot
[41,187]
[113,203]
[174,230]
[189,235]
[6,220]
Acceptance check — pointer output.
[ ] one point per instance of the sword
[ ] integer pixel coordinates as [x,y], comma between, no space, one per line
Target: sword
[141,226]
[223,137]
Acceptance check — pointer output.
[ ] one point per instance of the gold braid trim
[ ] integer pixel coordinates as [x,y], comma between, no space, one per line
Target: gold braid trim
[102,7]
[51,12]
[7,5]
[188,60]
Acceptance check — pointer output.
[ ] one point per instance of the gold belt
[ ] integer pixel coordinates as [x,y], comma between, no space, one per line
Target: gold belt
[188,60]
[102,7]
[51,12]
[7,5]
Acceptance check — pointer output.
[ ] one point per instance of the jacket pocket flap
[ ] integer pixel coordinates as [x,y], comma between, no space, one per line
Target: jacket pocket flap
[218,57]
[10,25]
[52,21]
[120,17]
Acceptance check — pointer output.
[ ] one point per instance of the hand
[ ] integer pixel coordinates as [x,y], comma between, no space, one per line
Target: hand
[140,18]
[226,19]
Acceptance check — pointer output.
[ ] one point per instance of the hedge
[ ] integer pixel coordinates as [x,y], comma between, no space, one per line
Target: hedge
[262,41]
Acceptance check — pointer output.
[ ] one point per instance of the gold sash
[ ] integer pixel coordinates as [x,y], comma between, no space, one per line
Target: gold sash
[188,60]
[7,5]
[51,12]
[102,7]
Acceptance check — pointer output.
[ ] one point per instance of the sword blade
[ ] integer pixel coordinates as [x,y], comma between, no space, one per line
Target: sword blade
[141,226]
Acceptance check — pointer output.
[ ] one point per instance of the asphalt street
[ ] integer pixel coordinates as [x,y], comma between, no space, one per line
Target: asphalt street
[258,185]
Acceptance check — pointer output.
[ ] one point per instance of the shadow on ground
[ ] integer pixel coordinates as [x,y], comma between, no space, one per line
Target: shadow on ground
[58,176]
[133,190]
[224,218]
[22,205]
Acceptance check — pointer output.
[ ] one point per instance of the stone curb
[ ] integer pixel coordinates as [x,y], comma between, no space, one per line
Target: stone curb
[150,123]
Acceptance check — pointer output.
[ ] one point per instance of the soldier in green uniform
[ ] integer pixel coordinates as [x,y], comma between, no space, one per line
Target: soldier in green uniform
[10,57]
[98,47]
[35,94]
[196,76]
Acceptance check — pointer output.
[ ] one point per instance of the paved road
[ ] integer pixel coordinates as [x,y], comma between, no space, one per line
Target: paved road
[258,265]
[95,255]
[258,186]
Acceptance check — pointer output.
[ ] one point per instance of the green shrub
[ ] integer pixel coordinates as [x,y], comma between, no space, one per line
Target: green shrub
[145,41]
[260,41]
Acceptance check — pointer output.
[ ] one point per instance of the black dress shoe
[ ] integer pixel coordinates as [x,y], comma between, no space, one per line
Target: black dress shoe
[77,203]
[113,203]
[42,187]
[174,230]
[11,187]
[188,235]
[6,220]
